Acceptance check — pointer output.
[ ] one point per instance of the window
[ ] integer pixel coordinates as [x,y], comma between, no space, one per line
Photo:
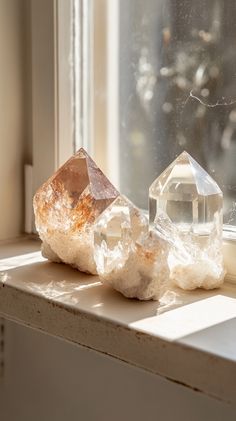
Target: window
[161,79]
[138,82]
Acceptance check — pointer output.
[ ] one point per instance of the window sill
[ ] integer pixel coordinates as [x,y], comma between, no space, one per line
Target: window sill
[189,338]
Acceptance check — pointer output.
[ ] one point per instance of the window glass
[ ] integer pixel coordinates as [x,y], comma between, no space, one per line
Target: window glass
[176,89]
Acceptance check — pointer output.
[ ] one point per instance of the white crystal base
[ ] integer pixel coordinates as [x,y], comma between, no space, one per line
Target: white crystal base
[76,251]
[202,274]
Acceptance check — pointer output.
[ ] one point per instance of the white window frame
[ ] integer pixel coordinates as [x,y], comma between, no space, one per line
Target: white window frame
[52,113]
[54,118]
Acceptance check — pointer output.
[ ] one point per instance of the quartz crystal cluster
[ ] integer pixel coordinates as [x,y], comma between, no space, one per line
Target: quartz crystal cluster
[129,257]
[66,207]
[85,222]
[185,206]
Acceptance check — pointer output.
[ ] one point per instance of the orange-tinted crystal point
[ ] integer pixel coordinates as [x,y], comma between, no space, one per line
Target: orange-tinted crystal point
[67,205]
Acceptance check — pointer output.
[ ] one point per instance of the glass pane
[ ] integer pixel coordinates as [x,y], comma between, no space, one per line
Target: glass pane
[176,89]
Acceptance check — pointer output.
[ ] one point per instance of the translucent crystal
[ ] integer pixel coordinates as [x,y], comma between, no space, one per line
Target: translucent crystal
[130,258]
[185,206]
[66,207]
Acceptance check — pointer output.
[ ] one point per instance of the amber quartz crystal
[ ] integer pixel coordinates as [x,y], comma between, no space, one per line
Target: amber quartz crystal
[66,207]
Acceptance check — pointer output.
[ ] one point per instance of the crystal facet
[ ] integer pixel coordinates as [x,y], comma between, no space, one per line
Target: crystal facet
[185,206]
[130,258]
[66,207]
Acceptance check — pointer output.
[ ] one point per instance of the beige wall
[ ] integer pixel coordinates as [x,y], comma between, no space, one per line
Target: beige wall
[13,131]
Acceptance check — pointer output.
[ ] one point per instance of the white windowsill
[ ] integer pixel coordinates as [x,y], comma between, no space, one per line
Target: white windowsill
[189,339]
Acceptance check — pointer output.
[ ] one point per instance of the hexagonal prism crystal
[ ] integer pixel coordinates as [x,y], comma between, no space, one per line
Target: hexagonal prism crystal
[130,258]
[66,207]
[192,203]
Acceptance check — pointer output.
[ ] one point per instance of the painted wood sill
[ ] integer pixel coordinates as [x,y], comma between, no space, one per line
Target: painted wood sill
[189,338]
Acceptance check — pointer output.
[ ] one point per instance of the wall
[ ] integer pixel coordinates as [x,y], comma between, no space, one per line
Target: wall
[47,379]
[13,133]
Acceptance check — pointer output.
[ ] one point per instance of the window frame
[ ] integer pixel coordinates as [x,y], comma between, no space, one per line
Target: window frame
[52,93]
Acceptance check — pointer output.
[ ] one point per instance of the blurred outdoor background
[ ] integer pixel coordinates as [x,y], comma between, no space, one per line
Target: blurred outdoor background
[177,91]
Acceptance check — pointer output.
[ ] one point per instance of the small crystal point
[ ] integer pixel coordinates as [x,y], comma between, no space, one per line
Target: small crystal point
[66,207]
[192,203]
[115,231]
[129,258]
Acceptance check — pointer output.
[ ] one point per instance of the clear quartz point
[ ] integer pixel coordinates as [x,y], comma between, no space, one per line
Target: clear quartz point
[185,207]
[129,258]
[115,231]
